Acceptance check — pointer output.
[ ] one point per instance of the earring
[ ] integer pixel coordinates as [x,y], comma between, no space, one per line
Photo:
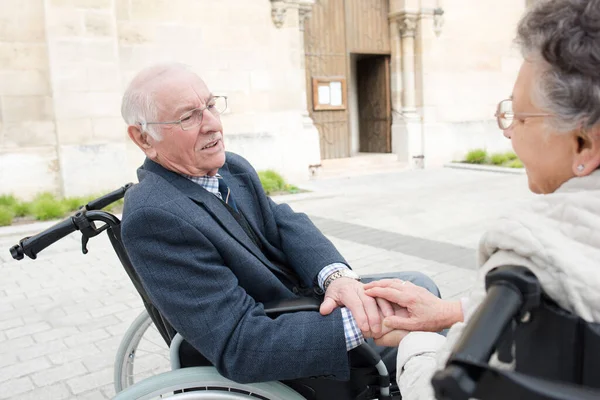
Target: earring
[580,167]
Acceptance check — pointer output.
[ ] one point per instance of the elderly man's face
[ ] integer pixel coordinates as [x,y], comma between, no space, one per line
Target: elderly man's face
[197,151]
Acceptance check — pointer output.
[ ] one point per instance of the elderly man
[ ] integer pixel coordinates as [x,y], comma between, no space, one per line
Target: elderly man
[210,247]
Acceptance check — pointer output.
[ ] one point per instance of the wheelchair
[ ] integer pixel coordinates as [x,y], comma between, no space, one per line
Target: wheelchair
[190,375]
[555,354]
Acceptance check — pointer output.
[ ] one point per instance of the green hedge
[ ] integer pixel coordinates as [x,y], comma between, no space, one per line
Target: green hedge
[480,156]
[46,206]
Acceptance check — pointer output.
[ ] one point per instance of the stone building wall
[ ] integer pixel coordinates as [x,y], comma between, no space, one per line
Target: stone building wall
[466,71]
[68,62]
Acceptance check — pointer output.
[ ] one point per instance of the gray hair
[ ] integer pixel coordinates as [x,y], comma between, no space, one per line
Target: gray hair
[139,105]
[565,36]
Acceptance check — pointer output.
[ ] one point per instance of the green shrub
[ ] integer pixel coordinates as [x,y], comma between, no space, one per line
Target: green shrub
[477,156]
[515,164]
[6,215]
[45,206]
[271,181]
[73,203]
[510,156]
[498,159]
[22,209]
[8,200]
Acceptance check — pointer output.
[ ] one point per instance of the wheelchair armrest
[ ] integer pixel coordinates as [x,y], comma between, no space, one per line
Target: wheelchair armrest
[278,307]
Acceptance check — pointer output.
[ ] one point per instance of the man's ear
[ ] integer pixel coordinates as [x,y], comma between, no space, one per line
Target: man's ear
[142,141]
[587,159]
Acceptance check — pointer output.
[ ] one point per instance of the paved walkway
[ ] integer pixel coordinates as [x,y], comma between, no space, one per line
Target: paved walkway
[62,316]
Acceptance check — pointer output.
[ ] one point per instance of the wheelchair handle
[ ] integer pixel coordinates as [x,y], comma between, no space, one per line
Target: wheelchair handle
[101,202]
[511,291]
[82,221]
[31,246]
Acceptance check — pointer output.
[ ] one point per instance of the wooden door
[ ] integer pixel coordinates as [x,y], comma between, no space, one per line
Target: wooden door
[375,113]
[335,29]
[326,56]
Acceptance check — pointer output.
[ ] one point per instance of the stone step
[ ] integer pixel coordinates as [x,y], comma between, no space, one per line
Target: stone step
[360,164]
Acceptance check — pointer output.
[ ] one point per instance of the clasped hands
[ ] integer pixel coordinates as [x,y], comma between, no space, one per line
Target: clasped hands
[387,310]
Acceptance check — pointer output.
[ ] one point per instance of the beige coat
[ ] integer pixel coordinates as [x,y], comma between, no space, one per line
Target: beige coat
[557,236]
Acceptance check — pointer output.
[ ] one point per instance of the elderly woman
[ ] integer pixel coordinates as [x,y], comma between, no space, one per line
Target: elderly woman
[553,122]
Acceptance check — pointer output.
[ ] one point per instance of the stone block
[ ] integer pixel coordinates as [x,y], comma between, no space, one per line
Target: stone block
[64,22]
[261,80]
[71,105]
[158,10]
[29,56]
[59,391]
[122,10]
[29,133]
[90,381]
[77,53]
[101,51]
[15,386]
[99,24]
[74,131]
[24,82]
[58,374]
[66,52]
[104,78]
[134,33]
[98,4]
[22,22]
[105,104]
[109,129]
[28,171]
[93,168]
[27,108]
[70,79]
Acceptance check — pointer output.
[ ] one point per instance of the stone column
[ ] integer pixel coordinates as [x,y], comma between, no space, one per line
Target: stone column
[289,10]
[406,126]
[310,130]
[86,84]
[407,28]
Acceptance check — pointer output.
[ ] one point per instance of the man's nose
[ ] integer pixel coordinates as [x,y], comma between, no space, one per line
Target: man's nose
[210,122]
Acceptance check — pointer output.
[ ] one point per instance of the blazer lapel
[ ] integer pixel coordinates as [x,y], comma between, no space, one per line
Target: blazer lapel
[212,205]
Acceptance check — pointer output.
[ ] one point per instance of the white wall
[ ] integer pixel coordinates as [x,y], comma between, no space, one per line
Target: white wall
[467,70]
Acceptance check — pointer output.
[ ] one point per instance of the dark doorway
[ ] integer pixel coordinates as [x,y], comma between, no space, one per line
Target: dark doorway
[374,106]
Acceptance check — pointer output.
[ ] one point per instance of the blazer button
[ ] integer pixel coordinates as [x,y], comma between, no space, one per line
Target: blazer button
[295,290]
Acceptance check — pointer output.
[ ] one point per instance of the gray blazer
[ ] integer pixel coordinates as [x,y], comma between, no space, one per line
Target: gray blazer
[209,278]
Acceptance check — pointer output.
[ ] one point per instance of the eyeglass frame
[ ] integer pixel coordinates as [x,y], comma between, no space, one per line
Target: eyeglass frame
[516,116]
[190,112]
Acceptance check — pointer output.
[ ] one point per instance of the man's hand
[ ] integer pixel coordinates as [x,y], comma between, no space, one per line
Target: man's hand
[392,338]
[425,311]
[350,293]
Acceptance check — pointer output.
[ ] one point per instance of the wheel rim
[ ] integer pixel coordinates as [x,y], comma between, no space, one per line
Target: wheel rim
[146,355]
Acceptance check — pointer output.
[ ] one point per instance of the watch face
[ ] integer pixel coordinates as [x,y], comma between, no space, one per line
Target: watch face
[351,274]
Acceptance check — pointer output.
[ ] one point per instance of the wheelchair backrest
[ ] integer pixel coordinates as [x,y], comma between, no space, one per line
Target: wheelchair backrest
[554,344]
[163,326]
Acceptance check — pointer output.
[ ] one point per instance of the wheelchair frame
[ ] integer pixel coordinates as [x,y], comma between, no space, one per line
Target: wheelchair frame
[206,381]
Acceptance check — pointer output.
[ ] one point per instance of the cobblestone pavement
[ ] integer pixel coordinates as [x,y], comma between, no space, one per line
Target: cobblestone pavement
[62,316]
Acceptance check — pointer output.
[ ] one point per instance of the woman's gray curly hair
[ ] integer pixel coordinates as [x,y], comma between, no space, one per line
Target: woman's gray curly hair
[565,34]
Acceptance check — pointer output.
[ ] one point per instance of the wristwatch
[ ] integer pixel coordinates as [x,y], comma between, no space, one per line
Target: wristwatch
[340,273]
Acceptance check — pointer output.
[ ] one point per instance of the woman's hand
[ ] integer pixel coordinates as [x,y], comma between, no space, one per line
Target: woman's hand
[424,310]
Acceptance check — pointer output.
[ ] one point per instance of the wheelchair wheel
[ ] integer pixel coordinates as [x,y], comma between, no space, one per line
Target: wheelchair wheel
[141,354]
[208,385]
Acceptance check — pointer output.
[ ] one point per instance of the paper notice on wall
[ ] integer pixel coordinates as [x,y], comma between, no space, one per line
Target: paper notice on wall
[336,93]
[324,97]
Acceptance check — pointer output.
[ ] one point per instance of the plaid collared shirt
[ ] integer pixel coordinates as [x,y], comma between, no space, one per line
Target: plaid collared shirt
[353,335]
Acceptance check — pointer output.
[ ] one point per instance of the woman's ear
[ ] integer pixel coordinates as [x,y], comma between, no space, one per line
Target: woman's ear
[142,141]
[587,159]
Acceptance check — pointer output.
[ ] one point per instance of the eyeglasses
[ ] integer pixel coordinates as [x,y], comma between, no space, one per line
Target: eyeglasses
[193,118]
[506,116]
